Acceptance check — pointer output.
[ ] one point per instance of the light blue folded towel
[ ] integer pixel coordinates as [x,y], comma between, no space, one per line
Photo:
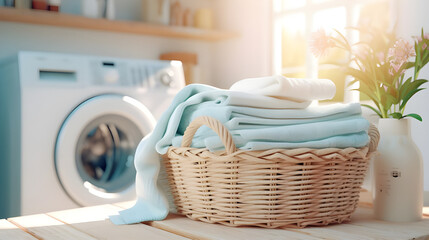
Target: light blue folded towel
[239,117]
[236,117]
[237,110]
[323,134]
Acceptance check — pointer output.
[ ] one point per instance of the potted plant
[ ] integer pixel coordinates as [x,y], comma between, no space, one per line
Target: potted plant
[387,69]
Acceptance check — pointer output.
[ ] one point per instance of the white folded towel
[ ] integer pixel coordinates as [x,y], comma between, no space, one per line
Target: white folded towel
[290,88]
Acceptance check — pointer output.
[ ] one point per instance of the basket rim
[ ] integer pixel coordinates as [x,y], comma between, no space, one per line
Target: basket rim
[322,153]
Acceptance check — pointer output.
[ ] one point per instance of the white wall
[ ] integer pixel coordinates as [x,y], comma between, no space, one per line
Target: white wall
[411,17]
[250,55]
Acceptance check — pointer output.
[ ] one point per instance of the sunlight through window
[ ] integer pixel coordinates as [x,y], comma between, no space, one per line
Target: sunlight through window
[296,20]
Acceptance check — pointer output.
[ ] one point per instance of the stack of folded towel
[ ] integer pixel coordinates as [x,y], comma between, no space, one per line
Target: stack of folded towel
[260,113]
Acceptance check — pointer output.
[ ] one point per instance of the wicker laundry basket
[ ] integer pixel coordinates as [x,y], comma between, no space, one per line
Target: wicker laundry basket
[276,188]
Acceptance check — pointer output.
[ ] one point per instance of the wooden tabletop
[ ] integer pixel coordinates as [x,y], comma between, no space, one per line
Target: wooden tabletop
[91,223]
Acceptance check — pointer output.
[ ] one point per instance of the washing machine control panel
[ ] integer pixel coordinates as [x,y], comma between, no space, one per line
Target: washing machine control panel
[68,70]
[142,73]
[110,74]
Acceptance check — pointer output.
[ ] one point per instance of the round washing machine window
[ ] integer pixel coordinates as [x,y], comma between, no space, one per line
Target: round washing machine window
[94,154]
[105,153]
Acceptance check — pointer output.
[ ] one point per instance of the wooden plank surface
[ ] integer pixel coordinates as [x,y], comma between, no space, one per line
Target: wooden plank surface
[125,205]
[93,221]
[200,230]
[362,226]
[364,217]
[45,227]
[133,27]
[370,229]
[10,231]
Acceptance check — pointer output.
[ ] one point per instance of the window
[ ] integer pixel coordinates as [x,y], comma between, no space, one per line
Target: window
[296,20]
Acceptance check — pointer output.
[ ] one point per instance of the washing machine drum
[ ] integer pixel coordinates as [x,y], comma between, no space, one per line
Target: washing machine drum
[94,153]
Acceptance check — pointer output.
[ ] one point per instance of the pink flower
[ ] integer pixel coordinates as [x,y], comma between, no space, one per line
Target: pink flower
[399,54]
[420,39]
[320,43]
[401,51]
[394,68]
[425,36]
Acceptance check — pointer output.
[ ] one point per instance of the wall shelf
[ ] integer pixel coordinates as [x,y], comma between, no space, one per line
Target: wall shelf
[133,27]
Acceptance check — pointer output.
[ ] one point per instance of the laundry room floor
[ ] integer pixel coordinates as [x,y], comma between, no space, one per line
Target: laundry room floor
[92,223]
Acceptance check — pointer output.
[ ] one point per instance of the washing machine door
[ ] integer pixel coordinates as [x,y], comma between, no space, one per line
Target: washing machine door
[94,153]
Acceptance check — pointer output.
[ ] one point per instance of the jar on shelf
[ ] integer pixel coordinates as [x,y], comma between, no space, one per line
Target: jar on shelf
[156,11]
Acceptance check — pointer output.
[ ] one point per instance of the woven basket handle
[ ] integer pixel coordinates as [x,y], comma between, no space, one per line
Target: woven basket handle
[229,144]
[216,126]
[374,138]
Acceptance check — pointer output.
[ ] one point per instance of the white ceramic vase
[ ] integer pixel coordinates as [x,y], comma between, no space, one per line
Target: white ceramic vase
[398,174]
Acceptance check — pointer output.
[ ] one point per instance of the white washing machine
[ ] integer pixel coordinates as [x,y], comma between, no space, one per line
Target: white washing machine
[70,124]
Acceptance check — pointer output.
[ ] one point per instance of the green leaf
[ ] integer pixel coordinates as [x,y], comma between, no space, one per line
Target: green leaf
[356,73]
[375,101]
[409,65]
[361,76]
[369,93]
[417,83]
[389,100]
[425,59]
[353,82]
[344,38]
[418,56]
[408,96]
[372,108]
[408,87]
[341,44]
[396,115]
[404,88]
[414,115]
